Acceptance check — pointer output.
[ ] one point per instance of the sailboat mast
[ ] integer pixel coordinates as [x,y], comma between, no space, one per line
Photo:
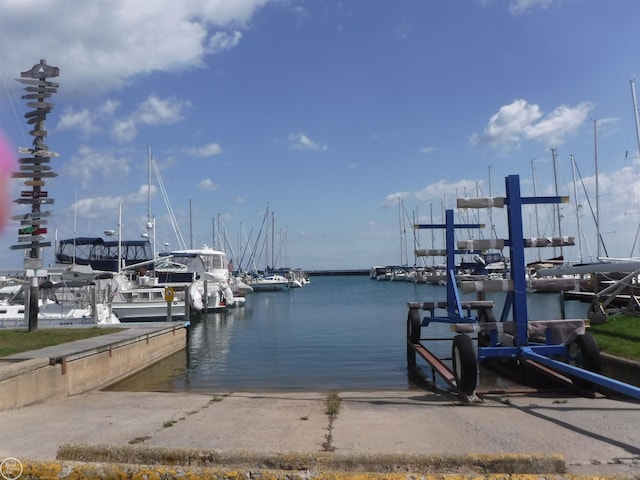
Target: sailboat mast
[635,113]
[595,155]
[555,181]
[533,174]
[575,199]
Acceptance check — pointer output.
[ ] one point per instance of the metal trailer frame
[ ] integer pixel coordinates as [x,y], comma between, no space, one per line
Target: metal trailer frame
[582,350]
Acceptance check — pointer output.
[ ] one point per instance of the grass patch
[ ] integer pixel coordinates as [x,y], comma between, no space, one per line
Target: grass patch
[619,336]
[333,404]
[17,341]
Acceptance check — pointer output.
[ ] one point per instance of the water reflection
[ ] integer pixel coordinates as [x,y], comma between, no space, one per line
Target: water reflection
[337,333]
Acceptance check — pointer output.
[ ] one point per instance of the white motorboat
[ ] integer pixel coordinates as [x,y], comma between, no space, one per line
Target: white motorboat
[212,277]
[59,303]
[268,282]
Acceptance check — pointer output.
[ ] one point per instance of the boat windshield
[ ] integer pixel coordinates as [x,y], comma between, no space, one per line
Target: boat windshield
[214,262]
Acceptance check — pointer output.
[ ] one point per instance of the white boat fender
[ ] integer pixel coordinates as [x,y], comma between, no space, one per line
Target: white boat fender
[228,294]
[195,298]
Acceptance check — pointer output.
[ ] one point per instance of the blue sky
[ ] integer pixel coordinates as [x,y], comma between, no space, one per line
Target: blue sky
[342,117]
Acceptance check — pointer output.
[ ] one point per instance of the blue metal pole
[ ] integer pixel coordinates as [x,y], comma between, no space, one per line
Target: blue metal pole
[607,382]
[516,252]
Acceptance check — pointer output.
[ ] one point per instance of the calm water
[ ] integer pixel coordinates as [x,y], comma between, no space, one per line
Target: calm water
[342,333]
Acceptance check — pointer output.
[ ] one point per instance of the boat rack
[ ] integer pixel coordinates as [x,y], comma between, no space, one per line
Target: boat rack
[562,348]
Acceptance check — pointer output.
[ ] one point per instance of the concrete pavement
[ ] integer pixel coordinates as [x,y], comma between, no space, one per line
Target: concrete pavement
[389,431]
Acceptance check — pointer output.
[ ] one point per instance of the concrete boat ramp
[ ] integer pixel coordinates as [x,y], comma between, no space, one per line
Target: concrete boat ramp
[284,435]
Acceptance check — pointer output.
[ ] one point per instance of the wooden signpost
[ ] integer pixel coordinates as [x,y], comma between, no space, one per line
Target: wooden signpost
[35,169]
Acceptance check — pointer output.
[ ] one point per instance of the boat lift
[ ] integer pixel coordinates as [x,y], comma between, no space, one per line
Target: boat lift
[559,347]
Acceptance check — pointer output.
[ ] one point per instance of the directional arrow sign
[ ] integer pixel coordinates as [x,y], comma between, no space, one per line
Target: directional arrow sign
[37,167]
[33,174]
[41,89]
[37,153]
[33,222]
[25,216]
[38,133]
[30,238]
[34,160]
[31,193]
[40,105]
[44,83]
[24,246]
[35,96]
[34,201]
[34,183]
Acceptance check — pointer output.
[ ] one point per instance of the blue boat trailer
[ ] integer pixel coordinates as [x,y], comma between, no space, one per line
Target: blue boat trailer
[556,346]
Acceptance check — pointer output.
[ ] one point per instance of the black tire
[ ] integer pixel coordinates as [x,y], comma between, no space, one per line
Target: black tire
[413,336]
[465,366]
[583,352]
[414,325]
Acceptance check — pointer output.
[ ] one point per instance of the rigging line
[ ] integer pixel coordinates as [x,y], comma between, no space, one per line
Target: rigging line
[12,102]
[584,188]
[172,217]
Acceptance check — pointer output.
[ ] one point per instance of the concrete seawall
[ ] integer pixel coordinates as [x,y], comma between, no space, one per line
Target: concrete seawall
[85,365]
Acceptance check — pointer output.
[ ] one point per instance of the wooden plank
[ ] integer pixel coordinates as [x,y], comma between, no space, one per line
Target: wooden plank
[34,183]
[25,246]
[35,96]
[40,89]
[41,70]
[43,83]
[33,221]
[35,167]
[38,133]
[40,105]
[32,215]
[33,174]
[37,153]
[34,194]
[34,201]
[34,160]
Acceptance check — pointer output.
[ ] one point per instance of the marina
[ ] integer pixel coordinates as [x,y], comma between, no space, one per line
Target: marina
[338,332]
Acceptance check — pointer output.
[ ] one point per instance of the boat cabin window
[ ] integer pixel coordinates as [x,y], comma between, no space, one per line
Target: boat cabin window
[214,262]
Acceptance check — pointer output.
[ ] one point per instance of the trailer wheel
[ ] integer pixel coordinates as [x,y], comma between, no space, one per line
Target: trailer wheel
[583,352]
[414,324]
[465,367]
[413,336]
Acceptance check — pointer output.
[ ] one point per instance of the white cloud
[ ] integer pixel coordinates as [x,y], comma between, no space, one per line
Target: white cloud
[101,46]
[207,151]
[516,7]
[124,131]
[393,199]
[153,111]
[441,190]
[156,111]
[302,141]
[221,41]
[520,121]
[427,150]
[81,120]
[88,163]
[207,184]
